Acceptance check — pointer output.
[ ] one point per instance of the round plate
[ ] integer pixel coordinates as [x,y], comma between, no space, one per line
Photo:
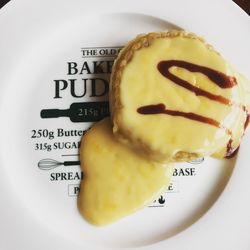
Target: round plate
[56,59]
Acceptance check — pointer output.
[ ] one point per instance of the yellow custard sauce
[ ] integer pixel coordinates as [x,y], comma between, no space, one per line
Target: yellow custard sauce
[196,120]
[117,181]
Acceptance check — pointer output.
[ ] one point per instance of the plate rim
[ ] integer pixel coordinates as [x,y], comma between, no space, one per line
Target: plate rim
[173,241]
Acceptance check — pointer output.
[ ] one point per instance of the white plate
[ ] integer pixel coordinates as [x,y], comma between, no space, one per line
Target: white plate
[207,206]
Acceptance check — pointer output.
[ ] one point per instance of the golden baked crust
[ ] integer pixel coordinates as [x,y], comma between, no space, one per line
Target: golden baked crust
[124,57]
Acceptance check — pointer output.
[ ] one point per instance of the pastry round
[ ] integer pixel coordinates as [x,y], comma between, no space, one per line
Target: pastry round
[173,97]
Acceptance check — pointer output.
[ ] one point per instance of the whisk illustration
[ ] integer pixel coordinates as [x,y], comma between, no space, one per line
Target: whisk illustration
[49,164]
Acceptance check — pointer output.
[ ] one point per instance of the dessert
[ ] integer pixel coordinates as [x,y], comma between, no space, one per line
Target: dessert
[173,97]
[117,181]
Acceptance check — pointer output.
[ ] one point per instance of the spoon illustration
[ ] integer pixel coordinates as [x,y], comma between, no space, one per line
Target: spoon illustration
[48,164]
